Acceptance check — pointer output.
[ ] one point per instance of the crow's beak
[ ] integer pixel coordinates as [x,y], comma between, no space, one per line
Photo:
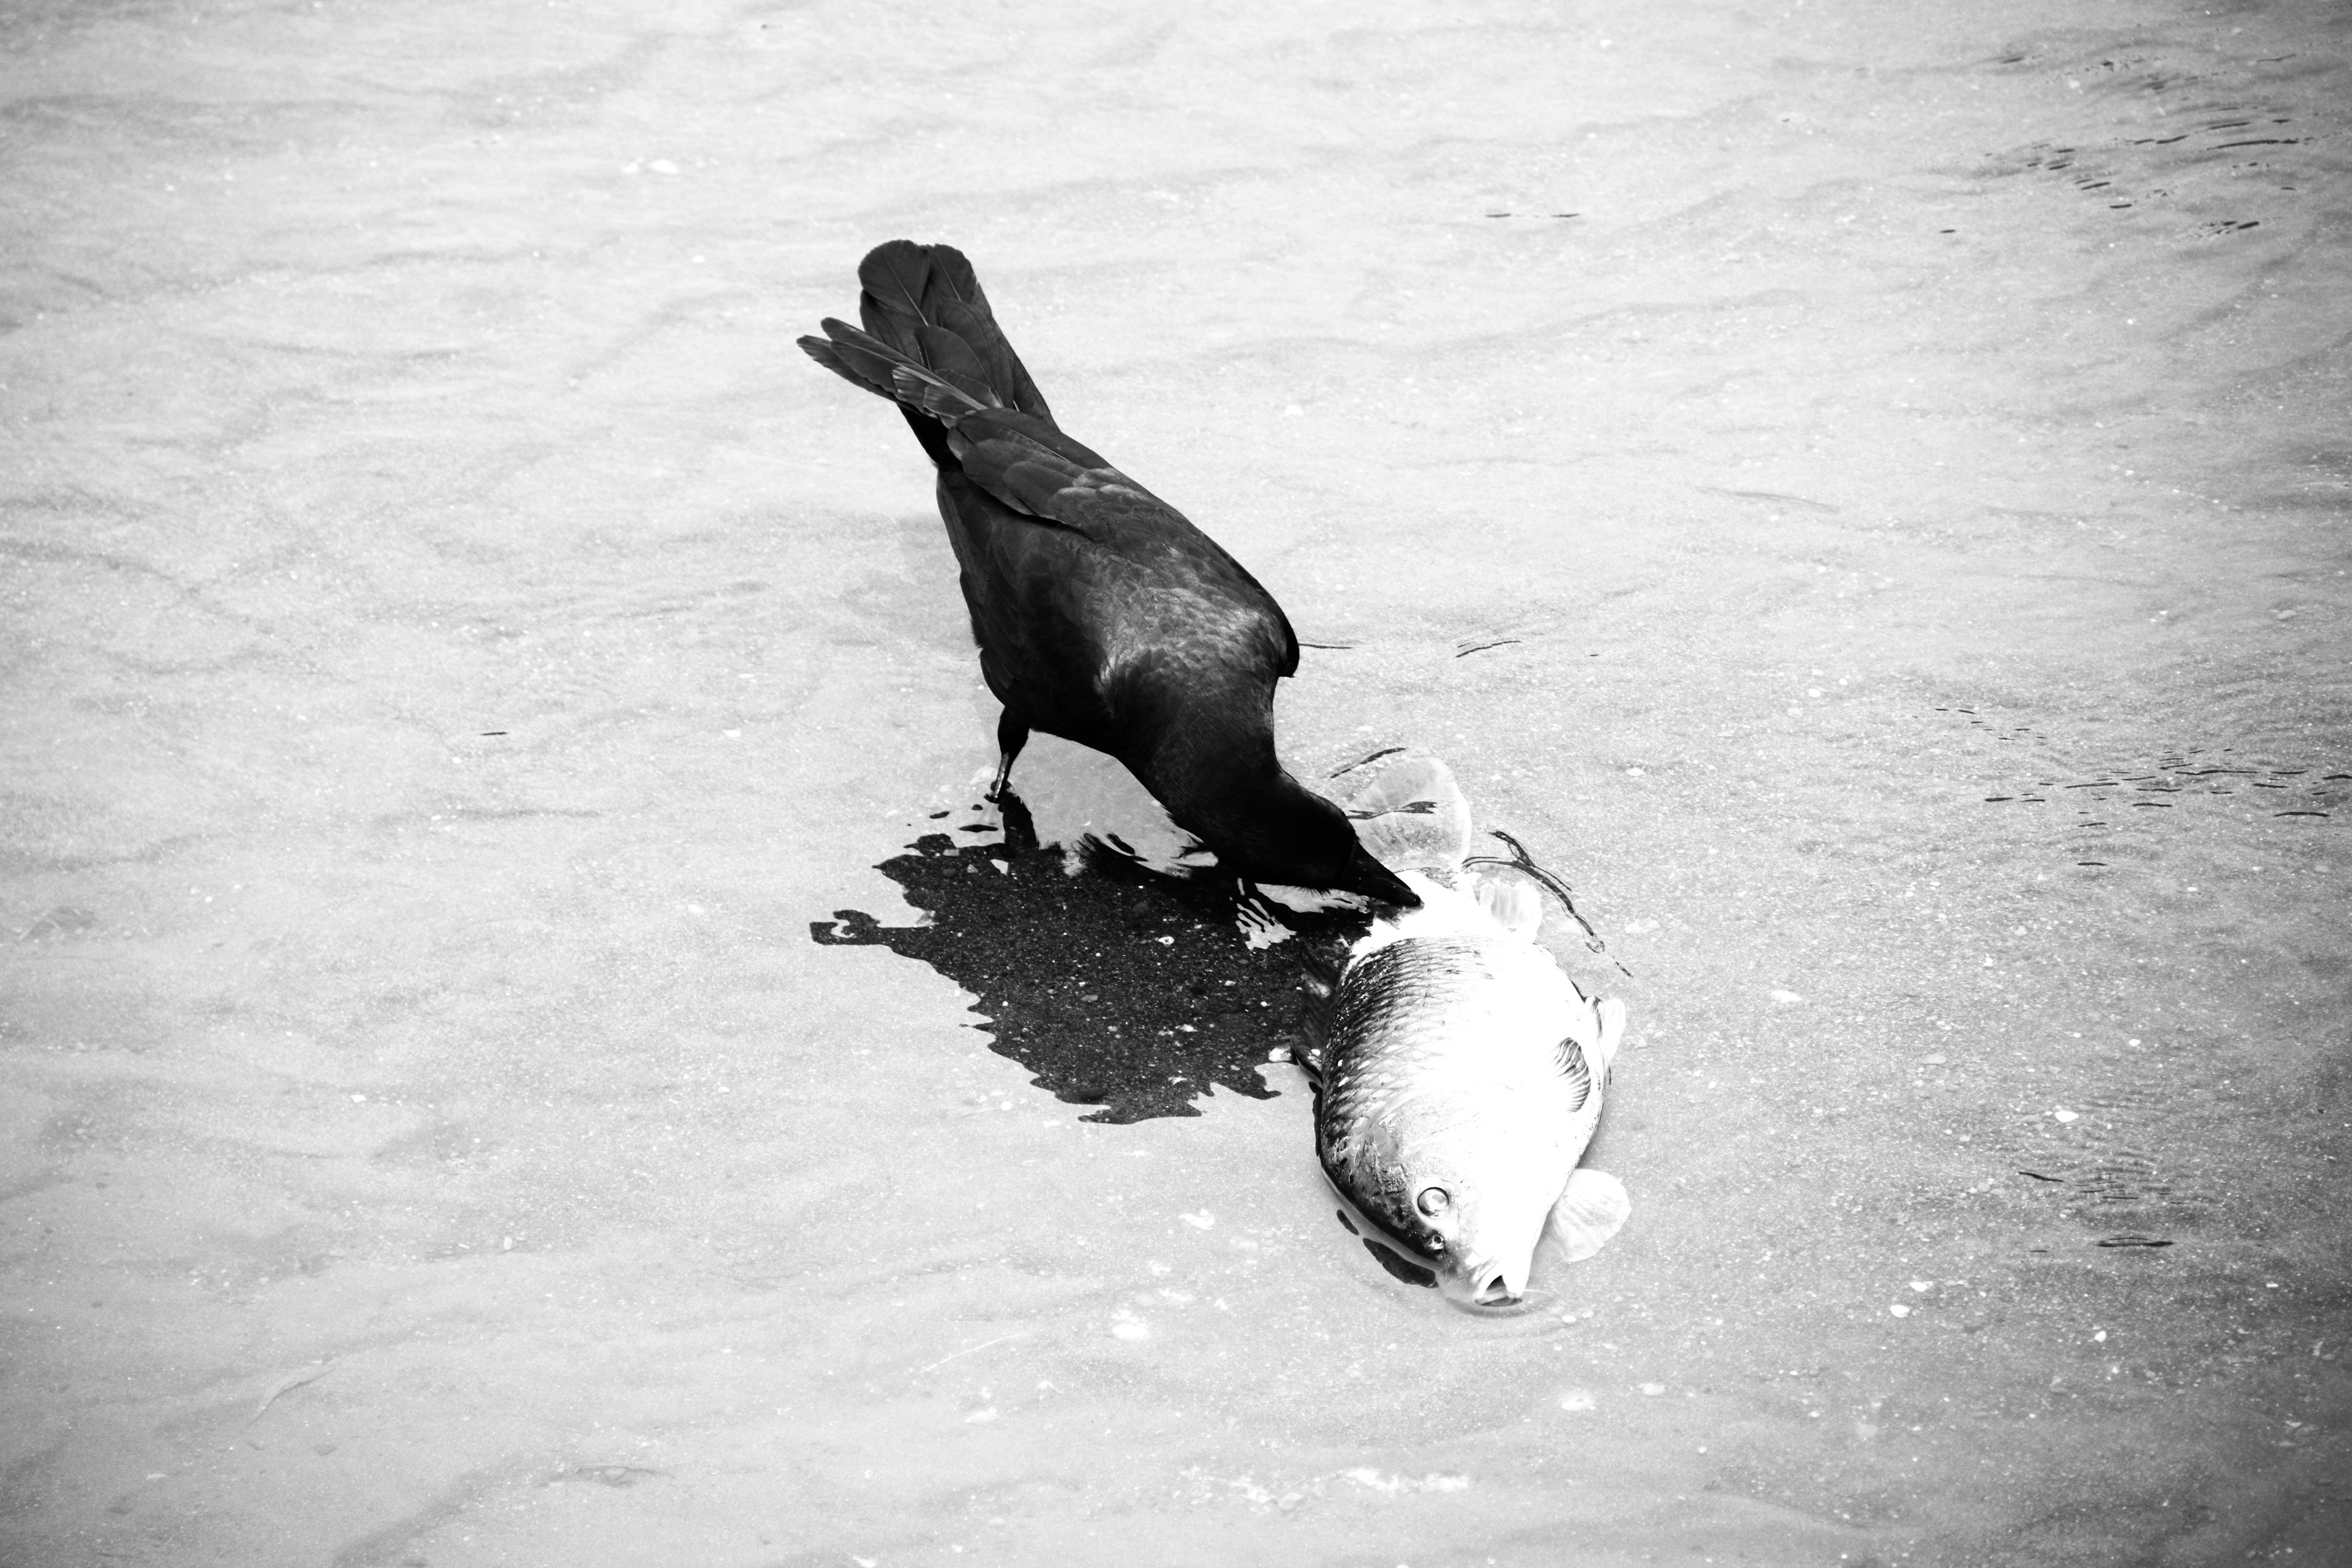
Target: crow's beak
[1367,876]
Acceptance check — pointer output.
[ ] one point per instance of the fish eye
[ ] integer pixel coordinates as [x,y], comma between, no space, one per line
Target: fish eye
[1433,1201]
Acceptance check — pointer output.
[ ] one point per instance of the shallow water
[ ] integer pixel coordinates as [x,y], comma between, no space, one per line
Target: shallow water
[460,649]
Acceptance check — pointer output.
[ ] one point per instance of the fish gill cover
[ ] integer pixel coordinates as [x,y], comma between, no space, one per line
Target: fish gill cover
[1116,986]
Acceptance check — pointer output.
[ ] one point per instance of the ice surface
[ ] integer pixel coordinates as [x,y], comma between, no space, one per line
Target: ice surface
[1861,490]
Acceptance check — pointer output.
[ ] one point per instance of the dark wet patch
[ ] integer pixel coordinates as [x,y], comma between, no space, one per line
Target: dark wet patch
[1116,987]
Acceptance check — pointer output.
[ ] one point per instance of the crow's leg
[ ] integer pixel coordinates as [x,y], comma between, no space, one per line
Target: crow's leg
[1012,734]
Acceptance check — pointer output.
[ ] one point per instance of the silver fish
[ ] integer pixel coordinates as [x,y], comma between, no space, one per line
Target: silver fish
[1458,1080]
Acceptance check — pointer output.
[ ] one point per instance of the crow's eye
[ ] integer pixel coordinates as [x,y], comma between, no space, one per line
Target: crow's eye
[1433,1201]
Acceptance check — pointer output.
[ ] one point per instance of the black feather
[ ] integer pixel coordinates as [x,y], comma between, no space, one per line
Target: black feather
[826,354]
[971,320]
[895,277]
[860,358]
[952,358]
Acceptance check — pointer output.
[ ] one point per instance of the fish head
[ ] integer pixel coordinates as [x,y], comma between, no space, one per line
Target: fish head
[1472,1220]
[1490,1228]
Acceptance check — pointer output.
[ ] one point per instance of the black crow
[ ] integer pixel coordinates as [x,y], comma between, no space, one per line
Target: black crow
[1102,615]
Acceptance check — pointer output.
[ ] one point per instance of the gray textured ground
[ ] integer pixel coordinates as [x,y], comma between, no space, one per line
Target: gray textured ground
[457,646]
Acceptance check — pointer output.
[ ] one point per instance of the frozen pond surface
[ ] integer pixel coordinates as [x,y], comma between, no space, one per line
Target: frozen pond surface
[1862,490]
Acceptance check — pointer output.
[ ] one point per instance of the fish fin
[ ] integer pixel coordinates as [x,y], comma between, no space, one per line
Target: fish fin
[1515,906]
[1520,860]
[1609,1015]
[1593,1208]
[1314,1023]
[1306,1050]
[1576,1067]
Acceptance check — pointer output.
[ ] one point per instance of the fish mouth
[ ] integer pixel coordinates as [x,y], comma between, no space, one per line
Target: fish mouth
[1486,1291]
[1489,1286]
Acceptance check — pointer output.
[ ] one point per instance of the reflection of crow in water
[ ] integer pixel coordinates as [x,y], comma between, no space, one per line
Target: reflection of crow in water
[1116,986]
[1102,615]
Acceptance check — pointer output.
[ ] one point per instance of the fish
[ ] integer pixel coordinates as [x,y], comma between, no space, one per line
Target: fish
[1459,1075]
[1102,615]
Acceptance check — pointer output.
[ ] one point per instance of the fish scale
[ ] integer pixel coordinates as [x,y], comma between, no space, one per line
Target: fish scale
[1445,1015]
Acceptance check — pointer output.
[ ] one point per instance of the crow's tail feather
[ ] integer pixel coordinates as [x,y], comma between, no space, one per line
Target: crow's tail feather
[927,329]
[924,300]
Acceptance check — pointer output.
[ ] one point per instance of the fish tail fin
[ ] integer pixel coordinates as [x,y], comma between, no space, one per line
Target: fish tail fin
[931,344]
[1409,812]
[1609,1022]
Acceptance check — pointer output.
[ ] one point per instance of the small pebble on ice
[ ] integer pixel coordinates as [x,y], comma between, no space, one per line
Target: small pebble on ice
[1201,1221]
[1576,1399]
[662,166]
[1899,1310]
[1781,995]
[1654,1389]
[1923,1286]
[988,1413]
[1168,942]
[1128,1326]
[2063,1114]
